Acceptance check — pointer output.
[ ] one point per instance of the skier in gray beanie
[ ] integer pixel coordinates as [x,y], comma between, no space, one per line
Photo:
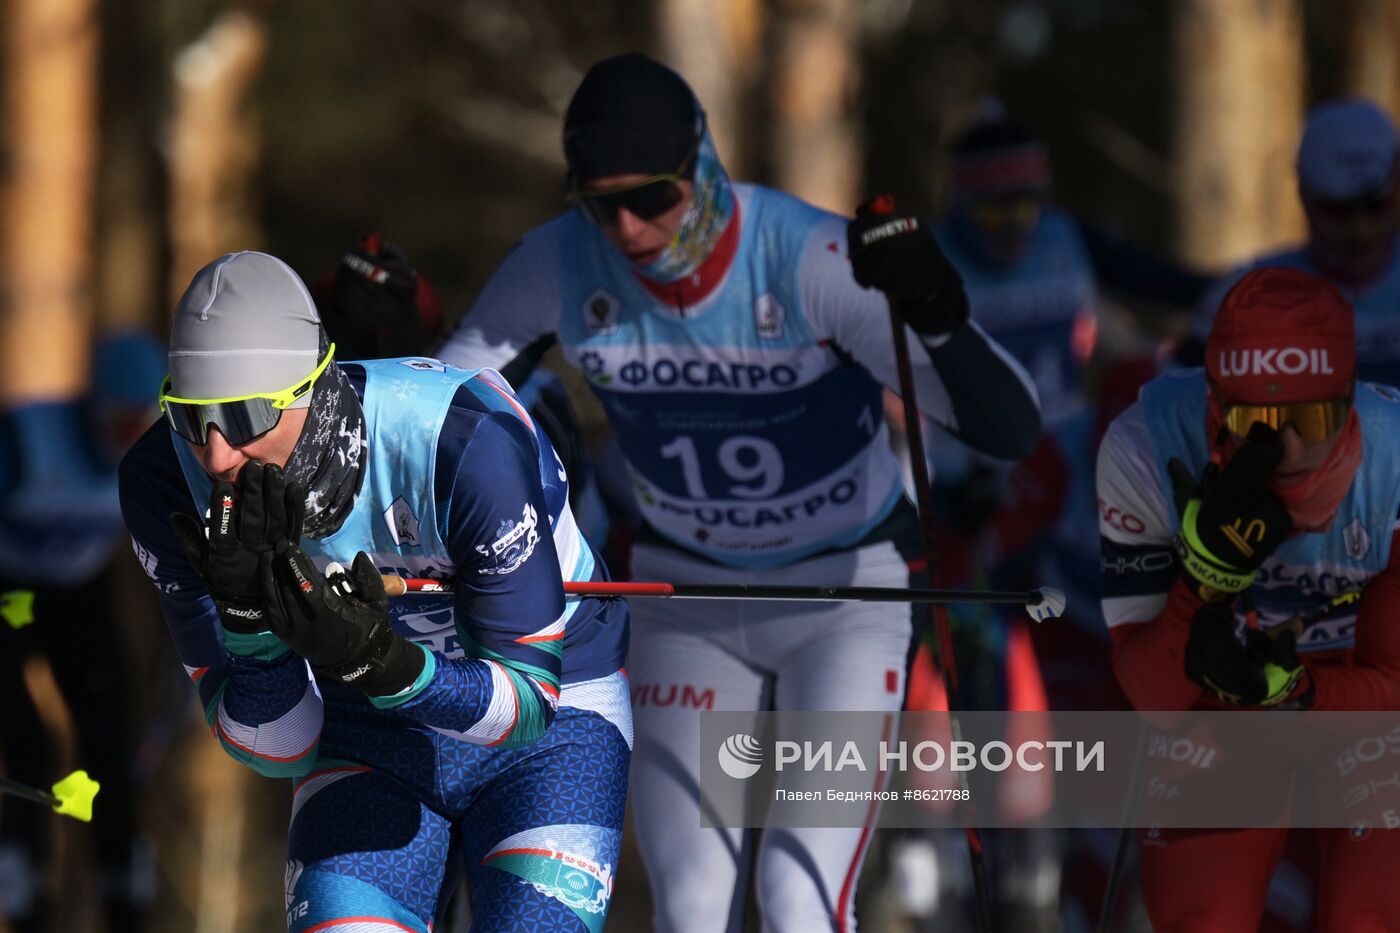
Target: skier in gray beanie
[452,720]
[249,357]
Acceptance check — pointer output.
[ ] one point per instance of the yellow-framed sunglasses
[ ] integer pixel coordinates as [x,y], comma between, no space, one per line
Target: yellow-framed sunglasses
[1314,421]
[241,419]
[1010,211]
[646,199]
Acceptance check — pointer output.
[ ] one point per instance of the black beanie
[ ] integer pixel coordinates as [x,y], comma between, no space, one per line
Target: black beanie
[992,135]
[998,157]
[630,115]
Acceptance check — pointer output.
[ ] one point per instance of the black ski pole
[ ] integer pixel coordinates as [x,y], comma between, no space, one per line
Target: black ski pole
[943,638]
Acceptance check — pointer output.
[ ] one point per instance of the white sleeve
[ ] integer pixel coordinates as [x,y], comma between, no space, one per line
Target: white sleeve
[858,319]
[1137,561]
[519,304]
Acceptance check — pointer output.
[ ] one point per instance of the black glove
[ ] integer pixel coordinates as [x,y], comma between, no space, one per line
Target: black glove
[898,255]
[244,522]
[1264,671]
[1231,523]
[373,312]
[340,624]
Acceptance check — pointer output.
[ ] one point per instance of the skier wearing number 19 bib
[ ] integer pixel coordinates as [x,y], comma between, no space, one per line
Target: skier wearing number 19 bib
[741,364]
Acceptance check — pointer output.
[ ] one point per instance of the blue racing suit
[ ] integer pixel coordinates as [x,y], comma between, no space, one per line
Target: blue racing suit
[511,750]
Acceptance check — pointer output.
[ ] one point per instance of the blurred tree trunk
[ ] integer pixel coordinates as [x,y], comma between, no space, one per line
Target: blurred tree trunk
[814,67]
[1370,34]
[1239,74]
[214,145]
[50,74]
[234,881]
[715,45]
[131,219]
[130,292]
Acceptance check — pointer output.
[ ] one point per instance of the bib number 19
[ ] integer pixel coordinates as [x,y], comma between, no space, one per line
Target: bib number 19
[754,466]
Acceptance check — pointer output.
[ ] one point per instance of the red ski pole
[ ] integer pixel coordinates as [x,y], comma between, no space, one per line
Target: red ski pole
[1041,604]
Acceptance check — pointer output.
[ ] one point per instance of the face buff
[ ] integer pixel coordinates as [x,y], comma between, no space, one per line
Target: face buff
[328,457]
[1312,499]
[710,210]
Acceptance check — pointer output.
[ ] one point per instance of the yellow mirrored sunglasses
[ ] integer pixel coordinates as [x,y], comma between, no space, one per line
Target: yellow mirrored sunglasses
[241,419]
[1314,421]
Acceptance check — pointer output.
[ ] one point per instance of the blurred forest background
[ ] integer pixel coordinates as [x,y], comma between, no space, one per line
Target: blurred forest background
[141,138]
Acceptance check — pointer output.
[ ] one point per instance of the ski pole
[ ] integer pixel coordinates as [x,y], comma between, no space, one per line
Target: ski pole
[1041,604]
[1123,850]
[943,636]
[71,796]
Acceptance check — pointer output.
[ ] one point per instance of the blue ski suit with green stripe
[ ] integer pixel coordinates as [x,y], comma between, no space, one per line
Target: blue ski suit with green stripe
[520,697]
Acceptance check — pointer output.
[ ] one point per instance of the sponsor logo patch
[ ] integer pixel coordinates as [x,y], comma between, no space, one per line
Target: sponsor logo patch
[687,696]
[402,523]
[1288,361]
[1356,539]
[295,910]
[1126,522]
[690,374]
[294,870]
[571,863]
[600,313]
[514,544]
[149,561]
[768,315]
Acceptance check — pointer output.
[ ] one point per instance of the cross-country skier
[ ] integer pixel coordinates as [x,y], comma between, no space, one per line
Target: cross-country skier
[490,723]
[741,365]
[1349,185]
[1275,475]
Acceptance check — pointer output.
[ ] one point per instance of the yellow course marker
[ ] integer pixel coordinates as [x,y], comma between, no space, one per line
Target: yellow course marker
[71,796]
[17,608]
[75,794]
